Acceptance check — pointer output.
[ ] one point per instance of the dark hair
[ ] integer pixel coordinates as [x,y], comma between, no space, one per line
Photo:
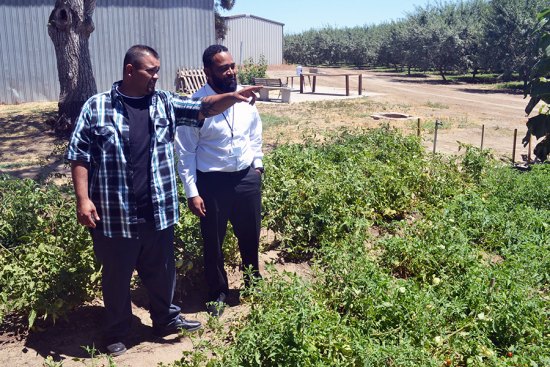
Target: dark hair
[135,53]
[208,55]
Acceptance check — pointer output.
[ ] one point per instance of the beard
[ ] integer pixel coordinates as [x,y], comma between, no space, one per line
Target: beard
[225,85]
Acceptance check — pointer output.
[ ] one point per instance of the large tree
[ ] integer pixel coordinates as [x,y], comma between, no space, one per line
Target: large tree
[221,27]
[510,26]
[69,27]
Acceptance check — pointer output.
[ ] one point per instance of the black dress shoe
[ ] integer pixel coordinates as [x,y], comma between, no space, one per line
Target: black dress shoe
[180,324]
[216,308]
[116,349]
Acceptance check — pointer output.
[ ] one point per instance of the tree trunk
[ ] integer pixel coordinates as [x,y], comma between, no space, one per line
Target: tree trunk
[442,73]
[69,27]
[219,22]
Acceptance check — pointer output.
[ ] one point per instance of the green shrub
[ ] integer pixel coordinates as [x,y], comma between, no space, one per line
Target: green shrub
[323,191]
[513,187]
[47,265]
[252,69]
[475,161]
[462,281]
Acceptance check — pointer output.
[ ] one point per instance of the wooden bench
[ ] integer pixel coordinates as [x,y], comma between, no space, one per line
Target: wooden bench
[269,84]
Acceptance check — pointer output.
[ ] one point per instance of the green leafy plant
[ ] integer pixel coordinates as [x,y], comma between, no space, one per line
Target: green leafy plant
[359,178]
[47,264]
[251,69]
[475,160]
[459,278]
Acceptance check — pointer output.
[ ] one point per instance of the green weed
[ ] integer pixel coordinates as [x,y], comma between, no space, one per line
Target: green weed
[436,105]
[270,120]
[46,260]
[458,274]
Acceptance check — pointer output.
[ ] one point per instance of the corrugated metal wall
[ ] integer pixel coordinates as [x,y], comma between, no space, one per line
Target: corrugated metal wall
[29,69]
[251,36]
[179,30]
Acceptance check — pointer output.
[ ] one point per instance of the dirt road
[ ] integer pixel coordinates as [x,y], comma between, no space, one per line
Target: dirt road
[463,108]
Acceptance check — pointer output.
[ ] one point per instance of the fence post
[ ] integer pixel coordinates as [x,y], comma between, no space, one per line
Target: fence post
[514,147]
[437,124]
[482,135]
[418,127]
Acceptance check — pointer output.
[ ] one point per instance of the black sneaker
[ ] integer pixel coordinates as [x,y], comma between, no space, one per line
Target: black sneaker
[179,324]
[216,308]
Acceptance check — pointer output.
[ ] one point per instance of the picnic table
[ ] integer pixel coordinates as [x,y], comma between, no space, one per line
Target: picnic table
[313,80]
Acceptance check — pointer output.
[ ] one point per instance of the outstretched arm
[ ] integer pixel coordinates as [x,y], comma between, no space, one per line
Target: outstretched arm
[216,104]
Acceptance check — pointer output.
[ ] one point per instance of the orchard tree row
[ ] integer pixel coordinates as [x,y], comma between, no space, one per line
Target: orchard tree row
[466,36]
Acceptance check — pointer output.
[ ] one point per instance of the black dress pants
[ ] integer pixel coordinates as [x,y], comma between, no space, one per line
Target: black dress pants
[234,197]
[152,255]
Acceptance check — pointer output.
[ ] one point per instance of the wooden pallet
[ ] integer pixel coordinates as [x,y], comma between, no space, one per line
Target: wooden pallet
[188,81]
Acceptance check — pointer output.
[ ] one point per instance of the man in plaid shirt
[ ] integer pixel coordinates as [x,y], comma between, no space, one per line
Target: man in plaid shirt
[122,164]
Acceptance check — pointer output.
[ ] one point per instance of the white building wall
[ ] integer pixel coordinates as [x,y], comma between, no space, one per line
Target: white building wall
[249,36]
[179,30]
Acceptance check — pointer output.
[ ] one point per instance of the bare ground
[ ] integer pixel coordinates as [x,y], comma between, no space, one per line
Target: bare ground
[66,340]
[26,147]
[463,109]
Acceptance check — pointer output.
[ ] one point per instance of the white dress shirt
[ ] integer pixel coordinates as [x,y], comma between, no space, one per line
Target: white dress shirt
[228,142]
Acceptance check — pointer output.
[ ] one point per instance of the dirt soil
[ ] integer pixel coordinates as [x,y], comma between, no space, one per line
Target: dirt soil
[65,341]
[26,151]
[462,108]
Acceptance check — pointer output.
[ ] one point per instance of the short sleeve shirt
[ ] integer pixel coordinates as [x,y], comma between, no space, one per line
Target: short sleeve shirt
[101,139]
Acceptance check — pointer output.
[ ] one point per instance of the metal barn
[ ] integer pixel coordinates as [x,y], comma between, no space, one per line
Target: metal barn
[179,30]
[249,36]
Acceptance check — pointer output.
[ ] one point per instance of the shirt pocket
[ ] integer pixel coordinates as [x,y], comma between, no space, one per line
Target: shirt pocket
[105,137]
[163,130]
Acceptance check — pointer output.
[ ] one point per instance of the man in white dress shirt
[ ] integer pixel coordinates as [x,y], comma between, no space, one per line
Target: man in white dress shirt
[221,169]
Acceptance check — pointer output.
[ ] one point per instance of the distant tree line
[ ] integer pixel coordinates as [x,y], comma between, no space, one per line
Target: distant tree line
[466,36]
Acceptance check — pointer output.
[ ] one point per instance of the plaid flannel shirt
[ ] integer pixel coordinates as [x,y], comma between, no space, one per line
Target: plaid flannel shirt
[101,139]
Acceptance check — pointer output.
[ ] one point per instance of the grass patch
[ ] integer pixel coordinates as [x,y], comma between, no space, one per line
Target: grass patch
[484,78]
[32,108]
[270,120]
[436,105]
[428,126]
[513,86]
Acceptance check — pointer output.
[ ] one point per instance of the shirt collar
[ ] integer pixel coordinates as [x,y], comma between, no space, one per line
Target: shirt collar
[117,96]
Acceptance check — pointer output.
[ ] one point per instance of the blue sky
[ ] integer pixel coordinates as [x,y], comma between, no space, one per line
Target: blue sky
[301,15]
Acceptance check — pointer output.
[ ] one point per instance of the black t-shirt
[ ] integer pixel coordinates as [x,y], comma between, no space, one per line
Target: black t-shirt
[140,144]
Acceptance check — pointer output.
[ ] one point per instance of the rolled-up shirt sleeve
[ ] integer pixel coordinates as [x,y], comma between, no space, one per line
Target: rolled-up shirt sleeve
[186,110]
